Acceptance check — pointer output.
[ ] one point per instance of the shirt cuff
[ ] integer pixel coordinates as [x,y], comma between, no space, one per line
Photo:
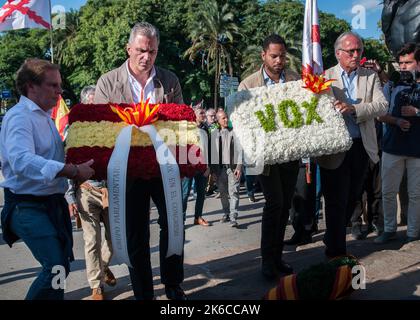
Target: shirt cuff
[70,198]
[50,170]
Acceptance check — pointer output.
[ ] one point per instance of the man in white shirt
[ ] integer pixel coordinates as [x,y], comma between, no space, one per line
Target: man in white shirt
[32,158]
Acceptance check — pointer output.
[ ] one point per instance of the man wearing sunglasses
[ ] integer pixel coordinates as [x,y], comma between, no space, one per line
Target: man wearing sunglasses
[359,99]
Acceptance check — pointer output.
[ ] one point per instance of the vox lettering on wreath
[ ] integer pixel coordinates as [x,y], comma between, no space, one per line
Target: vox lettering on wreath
[295,123]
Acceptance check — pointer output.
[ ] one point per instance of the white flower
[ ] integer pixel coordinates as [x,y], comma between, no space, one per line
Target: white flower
[286,144]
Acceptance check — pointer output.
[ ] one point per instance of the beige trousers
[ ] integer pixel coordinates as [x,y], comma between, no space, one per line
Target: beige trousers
[393,168]
[97,254]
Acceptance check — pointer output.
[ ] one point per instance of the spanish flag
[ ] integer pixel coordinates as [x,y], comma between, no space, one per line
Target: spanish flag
[60,115]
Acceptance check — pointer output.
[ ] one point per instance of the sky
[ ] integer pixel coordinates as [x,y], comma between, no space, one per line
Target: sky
[363,15]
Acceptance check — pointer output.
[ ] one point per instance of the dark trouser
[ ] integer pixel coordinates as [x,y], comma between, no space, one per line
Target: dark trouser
[200,184]
[138,236]
[250,185]
[373,188]
[304,200]
[341,188]
[278,188]
[31,223]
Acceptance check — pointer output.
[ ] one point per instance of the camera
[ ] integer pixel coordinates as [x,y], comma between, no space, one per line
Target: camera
[408,96]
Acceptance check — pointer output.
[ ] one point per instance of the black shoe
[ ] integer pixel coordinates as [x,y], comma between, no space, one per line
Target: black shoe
[306,238]
[269,270]
[331,254]
[252,198]
[284,267]
[356,232]
[314,229]
[225,219]
[175,292]
[295,239]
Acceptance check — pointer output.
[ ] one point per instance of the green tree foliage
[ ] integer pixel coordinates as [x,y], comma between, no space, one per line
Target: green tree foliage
[376,49]
[15,47]
[212,33]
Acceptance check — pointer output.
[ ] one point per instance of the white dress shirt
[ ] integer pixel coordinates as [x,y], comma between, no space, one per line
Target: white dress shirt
[137,88]
[31,151]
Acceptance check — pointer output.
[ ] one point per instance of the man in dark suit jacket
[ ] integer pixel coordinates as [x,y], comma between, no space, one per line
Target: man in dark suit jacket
[277,181]
[138,79]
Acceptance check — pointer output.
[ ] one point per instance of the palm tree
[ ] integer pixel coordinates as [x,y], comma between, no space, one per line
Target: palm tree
[212,36]
[64,37]
[252,54]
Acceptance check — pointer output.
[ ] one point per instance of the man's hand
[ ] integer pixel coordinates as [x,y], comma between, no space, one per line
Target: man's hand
[74,212]
[237,173]
[409,111]
[373,64]
[403,124]
[84,171]
[80,172]
[344,108]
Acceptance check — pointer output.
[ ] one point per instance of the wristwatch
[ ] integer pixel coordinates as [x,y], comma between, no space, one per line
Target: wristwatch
[417,112]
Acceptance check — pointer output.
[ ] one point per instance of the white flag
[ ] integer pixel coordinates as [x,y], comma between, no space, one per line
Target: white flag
[311,53]
[19,14]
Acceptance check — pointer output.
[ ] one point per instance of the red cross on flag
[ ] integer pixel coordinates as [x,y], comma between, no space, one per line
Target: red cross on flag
[311,53]
[19,14]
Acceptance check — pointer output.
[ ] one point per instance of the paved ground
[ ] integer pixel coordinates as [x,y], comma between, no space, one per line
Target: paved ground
[223,262]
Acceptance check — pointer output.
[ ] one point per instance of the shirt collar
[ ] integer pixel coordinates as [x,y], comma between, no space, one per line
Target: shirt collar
[133,79]
[351,75]
[268,80]
[32,106]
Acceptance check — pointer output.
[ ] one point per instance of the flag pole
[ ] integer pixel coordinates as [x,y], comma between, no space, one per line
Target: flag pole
[51,35]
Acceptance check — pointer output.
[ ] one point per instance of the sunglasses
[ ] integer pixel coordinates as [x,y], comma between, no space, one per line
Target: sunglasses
[352,51]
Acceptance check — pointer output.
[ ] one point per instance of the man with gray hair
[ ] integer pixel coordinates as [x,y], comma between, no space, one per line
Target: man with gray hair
[136,80]
[138,77]
[226,164]
[359,99]
[87,96]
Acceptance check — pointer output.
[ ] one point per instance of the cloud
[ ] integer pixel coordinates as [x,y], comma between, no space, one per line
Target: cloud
[370,5]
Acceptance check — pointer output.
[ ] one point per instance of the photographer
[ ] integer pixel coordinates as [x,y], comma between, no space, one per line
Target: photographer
[401,148]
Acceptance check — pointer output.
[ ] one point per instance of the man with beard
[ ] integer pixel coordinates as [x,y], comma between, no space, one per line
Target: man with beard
[278,180]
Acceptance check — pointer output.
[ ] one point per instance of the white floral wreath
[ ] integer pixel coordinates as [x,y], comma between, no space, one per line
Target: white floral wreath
[294,132]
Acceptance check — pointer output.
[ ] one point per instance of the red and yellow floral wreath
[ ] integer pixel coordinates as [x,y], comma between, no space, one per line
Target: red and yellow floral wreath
[93,130]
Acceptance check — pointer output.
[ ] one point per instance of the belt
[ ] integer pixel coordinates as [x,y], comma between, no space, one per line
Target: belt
[104,192]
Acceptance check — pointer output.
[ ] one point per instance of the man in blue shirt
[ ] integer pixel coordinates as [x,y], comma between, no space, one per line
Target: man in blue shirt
[359,98]
[32,158]
[278,181]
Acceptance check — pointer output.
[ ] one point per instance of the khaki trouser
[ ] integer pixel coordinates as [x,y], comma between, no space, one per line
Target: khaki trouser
[393,168]
[93,209]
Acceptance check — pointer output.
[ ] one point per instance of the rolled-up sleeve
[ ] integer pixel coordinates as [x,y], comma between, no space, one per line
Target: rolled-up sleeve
[22,155]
